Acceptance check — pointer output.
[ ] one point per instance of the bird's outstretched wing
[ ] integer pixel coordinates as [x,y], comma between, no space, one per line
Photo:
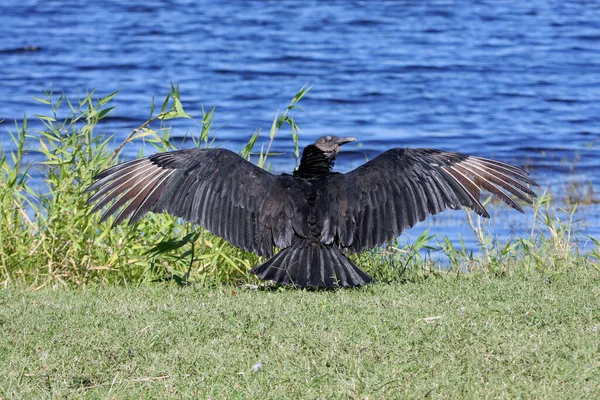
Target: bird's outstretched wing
[374,203]
[216,188]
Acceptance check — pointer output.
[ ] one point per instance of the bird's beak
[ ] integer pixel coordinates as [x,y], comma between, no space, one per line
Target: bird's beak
[344,140]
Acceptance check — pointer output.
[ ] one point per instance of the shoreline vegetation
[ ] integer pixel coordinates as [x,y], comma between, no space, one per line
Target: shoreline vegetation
[164,309]
[50,238]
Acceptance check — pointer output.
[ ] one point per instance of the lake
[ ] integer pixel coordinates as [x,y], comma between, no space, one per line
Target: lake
[515,81]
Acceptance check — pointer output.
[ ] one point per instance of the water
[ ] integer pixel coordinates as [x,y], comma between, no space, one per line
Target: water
[516,81]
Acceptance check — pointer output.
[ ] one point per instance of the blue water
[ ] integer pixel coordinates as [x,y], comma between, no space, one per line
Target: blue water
[513,80]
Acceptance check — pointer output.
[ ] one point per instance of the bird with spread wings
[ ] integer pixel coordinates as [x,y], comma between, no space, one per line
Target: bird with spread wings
[315,216]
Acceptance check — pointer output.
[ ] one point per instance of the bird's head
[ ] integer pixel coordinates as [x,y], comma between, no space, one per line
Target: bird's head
[330,145]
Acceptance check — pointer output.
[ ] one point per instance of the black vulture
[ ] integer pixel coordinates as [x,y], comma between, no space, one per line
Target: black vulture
[316,217]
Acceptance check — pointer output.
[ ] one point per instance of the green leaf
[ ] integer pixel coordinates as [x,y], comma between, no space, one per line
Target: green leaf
[250,145]
[179,109]
[301,93]
[102,113]
[274,126]
[45,118]
[108,98]
[165,103]
[43,101]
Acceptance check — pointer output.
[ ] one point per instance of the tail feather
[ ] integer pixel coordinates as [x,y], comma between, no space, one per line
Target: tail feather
[309,263]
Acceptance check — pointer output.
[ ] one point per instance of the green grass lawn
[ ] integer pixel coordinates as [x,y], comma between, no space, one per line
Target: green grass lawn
[532,336]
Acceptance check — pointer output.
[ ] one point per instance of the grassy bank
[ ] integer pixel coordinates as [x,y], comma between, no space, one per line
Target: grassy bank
[163,309]
[532,335]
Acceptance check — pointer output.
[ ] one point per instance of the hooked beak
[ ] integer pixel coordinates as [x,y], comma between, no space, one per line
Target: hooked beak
[344,140]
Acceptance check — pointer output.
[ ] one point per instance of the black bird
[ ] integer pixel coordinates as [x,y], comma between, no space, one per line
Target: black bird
[315,216]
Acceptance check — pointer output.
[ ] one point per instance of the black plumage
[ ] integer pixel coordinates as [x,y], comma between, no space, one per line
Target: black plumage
[315,216]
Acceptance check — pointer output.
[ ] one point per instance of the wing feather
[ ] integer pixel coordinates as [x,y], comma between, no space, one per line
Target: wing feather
[140,194]
[501,178]
[122,181]
[401,187]
[214,188]
[150,199]
[470,189]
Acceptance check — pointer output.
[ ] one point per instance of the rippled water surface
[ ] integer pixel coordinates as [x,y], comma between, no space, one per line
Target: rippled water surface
[517,81]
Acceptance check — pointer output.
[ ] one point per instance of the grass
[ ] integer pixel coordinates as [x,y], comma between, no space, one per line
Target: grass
[527,335]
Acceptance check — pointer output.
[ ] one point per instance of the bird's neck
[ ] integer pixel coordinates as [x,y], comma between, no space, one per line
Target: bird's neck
[314,164]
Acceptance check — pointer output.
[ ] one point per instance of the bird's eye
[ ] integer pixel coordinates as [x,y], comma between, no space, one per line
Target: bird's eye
[328,138]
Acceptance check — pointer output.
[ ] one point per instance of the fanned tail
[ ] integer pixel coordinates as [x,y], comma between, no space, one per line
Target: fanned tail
[308,263]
